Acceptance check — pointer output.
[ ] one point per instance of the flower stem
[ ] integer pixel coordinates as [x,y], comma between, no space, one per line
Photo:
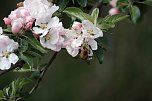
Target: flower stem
[43,72]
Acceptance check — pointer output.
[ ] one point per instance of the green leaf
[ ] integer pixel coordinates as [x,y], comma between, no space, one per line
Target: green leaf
[135,13]
[23,45]
[35,43]
[103,41]
[110,20]
[1,95]
[95,14]
[82,3]
[25,68]
[115,18]
[28,59]
[148,2]
[8,29]
[78,13]
[62,4]
[100,54]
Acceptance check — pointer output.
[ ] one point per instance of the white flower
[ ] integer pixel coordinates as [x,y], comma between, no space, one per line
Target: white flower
[73,42]
[90,43]
[49,39]
[1,30]
[90,30]
[7,57]
[46,25]
[40,8]
[72,51]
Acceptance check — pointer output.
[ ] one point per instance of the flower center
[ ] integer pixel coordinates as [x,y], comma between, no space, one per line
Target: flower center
[90,31]
[47,36]
[43,25]
[5,53]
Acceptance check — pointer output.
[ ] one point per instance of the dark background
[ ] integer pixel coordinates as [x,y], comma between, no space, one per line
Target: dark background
[125,75]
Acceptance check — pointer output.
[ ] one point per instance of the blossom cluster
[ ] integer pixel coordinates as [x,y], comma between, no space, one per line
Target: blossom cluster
[37,16]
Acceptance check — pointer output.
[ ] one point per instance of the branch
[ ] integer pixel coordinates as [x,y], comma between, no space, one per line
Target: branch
[43,72]
[17,65]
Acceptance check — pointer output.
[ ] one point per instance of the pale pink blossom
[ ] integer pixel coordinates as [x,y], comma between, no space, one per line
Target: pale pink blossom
[113,11]
[7,55]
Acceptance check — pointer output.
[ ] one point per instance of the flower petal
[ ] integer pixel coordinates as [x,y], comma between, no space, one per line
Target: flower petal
[1,30]
[54,22]
[13,58]
[93,44]
[5,64]
[87,24]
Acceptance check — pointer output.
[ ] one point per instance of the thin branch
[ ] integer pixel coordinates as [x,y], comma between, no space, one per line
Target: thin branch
[17,65]
[43,72]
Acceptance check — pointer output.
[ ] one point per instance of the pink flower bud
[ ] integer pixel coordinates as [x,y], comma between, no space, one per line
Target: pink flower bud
[16,26]
[77,25]
[28,19]
[113,11]
[29,25]
[7,21]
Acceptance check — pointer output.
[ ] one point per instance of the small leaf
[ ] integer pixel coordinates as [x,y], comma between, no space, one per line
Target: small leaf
[115,18]
[100,54]
[78,13]
[83,3]
[103,41]
[23,45]
[8,29]
[28,59]
[106,25]
[110,20]
[35,43]
[25,68]
[95,14]
[135,13]
[148,2]
[1,94]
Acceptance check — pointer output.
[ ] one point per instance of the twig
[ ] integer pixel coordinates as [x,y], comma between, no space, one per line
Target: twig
[17,65]
[43,72]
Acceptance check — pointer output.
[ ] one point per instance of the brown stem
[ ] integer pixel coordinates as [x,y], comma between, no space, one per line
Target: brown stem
[43,72]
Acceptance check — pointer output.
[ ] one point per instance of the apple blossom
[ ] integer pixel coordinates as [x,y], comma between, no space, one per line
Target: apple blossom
[81,37]
[90,30]
[40,9]
[51,33]
[7,55]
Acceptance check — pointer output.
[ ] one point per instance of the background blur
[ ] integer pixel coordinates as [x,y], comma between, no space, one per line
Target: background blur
[125,75]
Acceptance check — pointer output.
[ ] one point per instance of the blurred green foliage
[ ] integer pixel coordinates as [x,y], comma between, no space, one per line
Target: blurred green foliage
[125,75]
